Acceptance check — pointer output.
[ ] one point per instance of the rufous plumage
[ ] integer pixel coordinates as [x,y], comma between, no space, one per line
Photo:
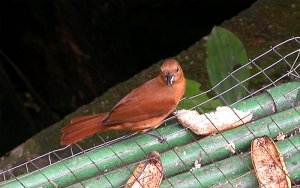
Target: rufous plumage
[144,108]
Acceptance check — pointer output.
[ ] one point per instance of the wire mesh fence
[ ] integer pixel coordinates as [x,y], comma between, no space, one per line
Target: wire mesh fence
[190,160]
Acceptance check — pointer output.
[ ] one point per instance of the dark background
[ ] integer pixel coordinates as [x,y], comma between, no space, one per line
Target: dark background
[58,55]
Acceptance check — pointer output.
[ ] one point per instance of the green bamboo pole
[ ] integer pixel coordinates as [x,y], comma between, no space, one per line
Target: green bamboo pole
[102,160]
[182,158]
[249,179]
[274,100]
[212,148]
[132,150]
[234,168]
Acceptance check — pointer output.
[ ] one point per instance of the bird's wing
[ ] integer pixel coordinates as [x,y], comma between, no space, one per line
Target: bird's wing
[153,99]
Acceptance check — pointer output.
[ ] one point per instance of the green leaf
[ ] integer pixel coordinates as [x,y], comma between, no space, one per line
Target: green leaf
[192,89]
[225,53]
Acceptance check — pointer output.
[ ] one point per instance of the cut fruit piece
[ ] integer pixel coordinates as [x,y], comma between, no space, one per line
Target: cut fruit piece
[268,164]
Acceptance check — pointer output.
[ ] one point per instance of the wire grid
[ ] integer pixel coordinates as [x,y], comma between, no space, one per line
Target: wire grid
[283,56]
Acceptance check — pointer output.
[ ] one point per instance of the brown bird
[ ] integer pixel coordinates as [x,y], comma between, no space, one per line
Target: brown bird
[142,109]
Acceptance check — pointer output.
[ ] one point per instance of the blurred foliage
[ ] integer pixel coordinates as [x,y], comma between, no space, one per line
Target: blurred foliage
[226,53]
[192,89]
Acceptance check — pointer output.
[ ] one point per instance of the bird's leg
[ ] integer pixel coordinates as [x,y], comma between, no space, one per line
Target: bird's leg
[161,139]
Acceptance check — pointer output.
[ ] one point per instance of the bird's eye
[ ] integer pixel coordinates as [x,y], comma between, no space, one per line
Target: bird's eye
[177,69]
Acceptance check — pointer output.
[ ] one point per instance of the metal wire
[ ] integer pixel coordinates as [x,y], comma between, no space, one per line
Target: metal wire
[286,55]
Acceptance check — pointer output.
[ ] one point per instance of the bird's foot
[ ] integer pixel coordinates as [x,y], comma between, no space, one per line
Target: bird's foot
[161,139]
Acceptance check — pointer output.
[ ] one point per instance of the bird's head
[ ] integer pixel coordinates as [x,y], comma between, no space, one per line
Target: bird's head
[171,71]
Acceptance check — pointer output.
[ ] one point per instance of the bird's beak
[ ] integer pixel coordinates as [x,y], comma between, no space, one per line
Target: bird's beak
[169,79]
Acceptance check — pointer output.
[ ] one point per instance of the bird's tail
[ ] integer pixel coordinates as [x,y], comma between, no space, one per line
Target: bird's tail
[82,127]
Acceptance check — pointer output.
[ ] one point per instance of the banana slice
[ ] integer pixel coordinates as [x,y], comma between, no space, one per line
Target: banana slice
[268,164]
[148,174]
[223,118]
